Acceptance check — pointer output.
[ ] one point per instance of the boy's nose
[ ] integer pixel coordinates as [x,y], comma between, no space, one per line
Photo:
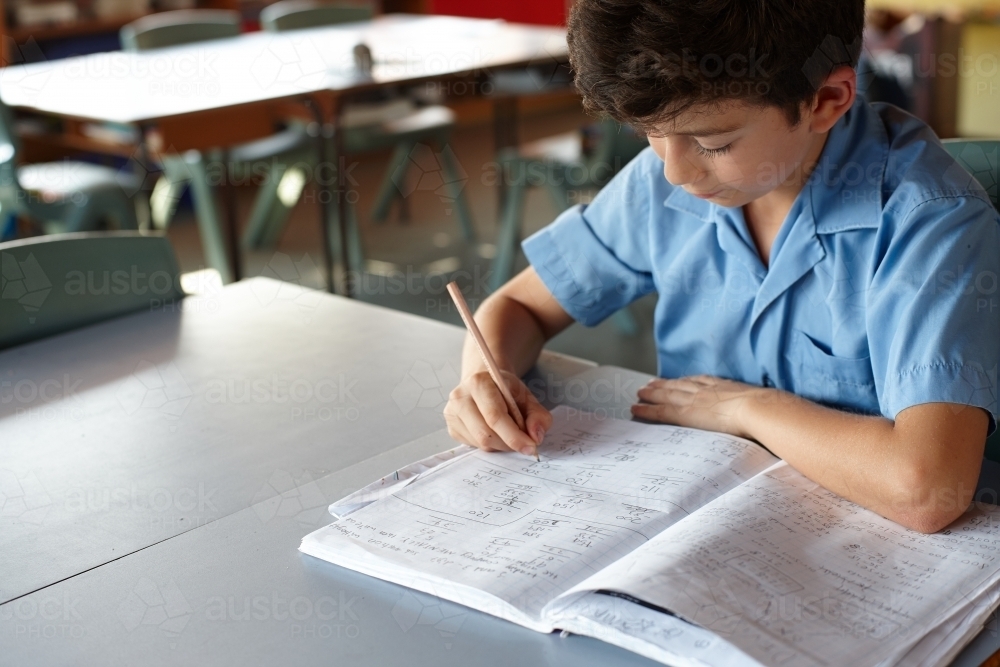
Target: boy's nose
[678,167]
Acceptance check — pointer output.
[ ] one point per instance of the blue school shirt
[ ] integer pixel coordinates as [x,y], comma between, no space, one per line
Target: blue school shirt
[881,293]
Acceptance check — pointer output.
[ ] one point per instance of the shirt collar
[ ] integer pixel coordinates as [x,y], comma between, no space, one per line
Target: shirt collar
[846,186]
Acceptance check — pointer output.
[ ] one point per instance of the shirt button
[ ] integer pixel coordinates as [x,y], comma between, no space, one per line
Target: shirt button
[766,380]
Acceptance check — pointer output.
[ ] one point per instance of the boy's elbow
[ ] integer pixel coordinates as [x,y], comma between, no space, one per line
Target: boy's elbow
[928,500]
[928,522]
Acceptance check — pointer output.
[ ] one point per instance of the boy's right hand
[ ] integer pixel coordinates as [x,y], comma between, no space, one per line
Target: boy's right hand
[477,415]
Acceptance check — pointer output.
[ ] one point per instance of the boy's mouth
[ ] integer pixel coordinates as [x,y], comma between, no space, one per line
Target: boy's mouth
[708,195]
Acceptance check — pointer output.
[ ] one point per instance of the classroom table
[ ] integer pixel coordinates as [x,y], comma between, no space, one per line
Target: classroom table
[159,470]
[135,430]
[218,94]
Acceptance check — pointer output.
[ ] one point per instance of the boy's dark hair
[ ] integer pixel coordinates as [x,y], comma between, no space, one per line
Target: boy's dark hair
[644,62]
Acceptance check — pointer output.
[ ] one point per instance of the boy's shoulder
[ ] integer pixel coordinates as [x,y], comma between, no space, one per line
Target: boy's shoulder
[918,169]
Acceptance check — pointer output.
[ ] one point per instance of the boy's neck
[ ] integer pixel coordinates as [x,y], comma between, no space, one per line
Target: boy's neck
[765,215]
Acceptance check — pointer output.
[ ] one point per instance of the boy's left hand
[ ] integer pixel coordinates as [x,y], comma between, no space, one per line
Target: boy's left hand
[700,401]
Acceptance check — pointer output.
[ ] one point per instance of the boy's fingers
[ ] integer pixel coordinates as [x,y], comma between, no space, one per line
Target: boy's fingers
[479,432]
[492,410]
[466,425]
[537,420]
[659,413]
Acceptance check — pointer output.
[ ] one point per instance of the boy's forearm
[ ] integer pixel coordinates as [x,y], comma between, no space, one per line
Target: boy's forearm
[514,337]
[919,471]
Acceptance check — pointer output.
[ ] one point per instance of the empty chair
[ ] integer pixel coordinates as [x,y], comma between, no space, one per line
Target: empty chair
[566,163]
[298,14]
[183,26]
[287,146]
[562,164]
[372,126]
[66,196]
[57,283]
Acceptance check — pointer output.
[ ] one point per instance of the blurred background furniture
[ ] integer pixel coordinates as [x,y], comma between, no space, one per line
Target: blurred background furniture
[64,196]
[980,159]
[54,284]
[289,145]
[382,119]
[570,167]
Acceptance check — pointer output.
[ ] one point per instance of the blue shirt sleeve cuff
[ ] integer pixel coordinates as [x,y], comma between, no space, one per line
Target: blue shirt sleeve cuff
[963,384]
[583,275]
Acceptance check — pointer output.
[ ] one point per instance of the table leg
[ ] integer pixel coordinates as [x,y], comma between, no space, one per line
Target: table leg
[346,287]
[232,217]
[324,194]
[504,136]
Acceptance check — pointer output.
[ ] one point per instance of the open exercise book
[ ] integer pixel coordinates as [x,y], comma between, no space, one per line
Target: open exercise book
[689,547]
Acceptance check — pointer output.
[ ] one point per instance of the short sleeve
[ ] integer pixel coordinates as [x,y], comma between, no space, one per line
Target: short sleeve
[597,259]
[934,307]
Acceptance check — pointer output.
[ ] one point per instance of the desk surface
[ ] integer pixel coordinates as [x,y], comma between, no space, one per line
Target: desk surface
[120,435]
[143,87]
[152,508]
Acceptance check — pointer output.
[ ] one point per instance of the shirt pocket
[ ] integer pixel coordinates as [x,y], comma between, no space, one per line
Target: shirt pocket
[824,378]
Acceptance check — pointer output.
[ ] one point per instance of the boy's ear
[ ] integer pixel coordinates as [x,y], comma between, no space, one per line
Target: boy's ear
[833,99]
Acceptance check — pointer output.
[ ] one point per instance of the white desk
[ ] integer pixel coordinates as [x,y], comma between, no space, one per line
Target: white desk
[120,435]
[153,577]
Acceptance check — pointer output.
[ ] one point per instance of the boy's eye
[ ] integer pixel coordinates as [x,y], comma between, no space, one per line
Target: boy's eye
[713,152]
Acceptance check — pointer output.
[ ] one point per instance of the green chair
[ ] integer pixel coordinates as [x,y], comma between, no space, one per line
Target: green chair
[67,196]
[299,14]
[52,284]
[277,152]
[374,126]
[183,26]
[562,165]
[981,158]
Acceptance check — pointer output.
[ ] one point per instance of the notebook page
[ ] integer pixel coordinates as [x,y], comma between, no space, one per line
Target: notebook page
[525,531]
[649,632]
[792,574]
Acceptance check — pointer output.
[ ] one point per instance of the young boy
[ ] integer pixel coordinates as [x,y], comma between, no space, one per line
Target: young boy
[826,274]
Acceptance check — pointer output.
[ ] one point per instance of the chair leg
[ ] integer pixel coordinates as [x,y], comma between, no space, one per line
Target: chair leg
[121,211]
[355,250]
[456,186]
[559,194]
[84,216]
[267,199]
[163,201]
[209,222]
[396,172]
[510,232]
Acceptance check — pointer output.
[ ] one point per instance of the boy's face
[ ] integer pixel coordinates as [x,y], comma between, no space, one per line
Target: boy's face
[733,153]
